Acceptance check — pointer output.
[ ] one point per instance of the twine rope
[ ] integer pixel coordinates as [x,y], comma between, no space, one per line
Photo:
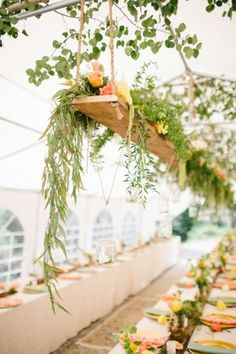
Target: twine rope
[111,46]
[80,40]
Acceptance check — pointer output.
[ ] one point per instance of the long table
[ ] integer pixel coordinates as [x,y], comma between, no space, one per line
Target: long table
[152,325]
[33,328]
[201,332]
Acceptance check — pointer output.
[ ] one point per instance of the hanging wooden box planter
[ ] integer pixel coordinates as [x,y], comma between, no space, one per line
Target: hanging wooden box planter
[113,112]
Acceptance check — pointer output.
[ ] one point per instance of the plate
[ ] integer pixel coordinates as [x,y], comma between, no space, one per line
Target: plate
[228,275]
[151,339]
[231,285]
[212,343]
[155,313]
[69,276]
[5,303]
[219,318]
[185,285]
[35,289]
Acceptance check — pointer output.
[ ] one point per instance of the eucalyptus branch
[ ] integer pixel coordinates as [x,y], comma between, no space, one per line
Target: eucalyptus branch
[132,22]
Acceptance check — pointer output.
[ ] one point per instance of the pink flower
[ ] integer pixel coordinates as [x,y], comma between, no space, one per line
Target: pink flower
[131,338]
[109,89]
[96,66]
[141,347]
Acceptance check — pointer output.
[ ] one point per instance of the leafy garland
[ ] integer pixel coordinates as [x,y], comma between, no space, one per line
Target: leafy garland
[143,34]
[208,180]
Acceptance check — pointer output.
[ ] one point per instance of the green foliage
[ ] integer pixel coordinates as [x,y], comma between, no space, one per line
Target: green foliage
[205,230]
[205,181]
[8,23]
[140,164]
[63,164]
[211,96]
[124,334]
[156,111]
[229,6]
[182,224]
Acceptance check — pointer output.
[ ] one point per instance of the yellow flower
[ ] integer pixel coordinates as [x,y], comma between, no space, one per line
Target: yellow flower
[133,347]
[220,305]
[162,320]
[95,78]
[69,82]
[124,91]
[162,128]
[176,306]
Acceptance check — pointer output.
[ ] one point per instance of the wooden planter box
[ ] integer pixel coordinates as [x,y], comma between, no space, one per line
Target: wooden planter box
[112,112]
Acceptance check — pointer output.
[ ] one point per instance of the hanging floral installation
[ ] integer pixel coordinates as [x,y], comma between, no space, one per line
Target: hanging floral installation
[151,121]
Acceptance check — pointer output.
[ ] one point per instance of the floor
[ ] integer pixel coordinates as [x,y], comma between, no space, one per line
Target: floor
[97,338]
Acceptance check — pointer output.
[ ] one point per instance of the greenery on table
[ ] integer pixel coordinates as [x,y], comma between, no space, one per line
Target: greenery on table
[125,332]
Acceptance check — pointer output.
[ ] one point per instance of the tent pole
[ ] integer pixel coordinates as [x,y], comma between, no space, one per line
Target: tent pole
[16,152]
[48,8]
[20,125]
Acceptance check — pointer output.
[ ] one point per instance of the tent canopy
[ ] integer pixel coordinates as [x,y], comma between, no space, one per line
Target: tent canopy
[31,106]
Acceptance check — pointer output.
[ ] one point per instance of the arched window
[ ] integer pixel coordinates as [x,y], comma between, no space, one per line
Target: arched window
[103,228]
[71,241]
[129,232]
[11,246]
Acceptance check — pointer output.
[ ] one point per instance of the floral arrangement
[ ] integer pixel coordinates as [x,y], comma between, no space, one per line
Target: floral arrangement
[135,342]
[182,313]
[202,278]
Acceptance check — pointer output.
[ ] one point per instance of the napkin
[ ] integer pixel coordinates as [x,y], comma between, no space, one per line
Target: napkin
[157,312]
[35,290]
[88,270]
[226,300]
[211,350]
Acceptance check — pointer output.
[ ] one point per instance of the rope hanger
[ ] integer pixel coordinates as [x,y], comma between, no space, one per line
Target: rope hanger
[115,105]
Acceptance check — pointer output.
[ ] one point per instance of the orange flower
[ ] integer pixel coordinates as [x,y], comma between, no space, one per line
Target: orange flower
[109,89]
[216,327]
[95,78]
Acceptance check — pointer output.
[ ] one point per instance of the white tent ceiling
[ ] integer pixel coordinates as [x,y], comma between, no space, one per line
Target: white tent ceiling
[31,106]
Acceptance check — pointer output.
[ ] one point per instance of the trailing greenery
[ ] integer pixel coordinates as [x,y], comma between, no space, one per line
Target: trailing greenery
[211,96]
[208,180]
[125,332]
[139,164]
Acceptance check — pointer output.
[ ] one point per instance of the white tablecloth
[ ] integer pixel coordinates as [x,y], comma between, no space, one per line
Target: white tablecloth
[32,328]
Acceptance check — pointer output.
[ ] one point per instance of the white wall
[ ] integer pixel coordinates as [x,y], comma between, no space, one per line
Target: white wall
[28,206]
